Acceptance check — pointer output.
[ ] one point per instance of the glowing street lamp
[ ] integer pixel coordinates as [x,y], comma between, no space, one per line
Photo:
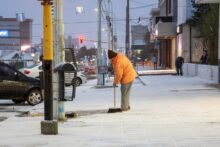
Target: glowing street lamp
[25,48]
[96,9]
[33,55]
[79,10]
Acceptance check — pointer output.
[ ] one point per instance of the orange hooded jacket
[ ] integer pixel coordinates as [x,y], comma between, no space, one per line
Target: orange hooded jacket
[123,69]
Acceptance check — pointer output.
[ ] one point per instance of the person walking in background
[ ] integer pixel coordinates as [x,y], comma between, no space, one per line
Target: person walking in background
[179,64]
[124,74]
[154,60]
[204,58]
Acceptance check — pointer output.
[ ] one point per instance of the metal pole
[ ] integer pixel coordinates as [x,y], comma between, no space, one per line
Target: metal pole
[99,33]
[109,29]
[112,37]
[115,36]
[127,36]
[48,126]
[47,61]
[99,48]
[59,56]
[109,25]
[219,48]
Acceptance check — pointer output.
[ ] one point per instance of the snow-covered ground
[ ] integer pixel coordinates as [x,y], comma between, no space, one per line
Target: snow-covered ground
[170,111]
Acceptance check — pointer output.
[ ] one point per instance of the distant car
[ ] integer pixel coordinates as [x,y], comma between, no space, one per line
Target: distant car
[80,79]
[18,87]
[80,67]
[33,71]
[90,70]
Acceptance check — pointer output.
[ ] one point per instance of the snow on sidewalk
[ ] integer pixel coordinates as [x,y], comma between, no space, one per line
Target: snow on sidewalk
[171,111]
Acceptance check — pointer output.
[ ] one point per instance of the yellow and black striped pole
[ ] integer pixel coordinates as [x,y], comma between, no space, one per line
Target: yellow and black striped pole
[48,126]
[47,59]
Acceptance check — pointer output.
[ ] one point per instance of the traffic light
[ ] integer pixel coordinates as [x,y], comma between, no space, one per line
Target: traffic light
[81,39]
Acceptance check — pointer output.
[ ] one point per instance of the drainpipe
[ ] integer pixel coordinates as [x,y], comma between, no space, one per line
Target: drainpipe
[190,43]
[219,47]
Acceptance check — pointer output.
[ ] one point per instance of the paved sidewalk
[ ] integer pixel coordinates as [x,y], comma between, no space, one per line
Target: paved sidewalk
[171,111]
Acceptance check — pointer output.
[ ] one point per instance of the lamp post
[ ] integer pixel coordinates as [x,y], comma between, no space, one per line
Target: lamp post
[79,10]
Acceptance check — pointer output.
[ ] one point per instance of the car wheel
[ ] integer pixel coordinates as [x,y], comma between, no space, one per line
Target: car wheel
[77,81]
[18,101]
[34,97]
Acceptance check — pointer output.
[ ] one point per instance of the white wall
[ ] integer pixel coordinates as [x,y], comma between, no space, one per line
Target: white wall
[207,72]
[184,11]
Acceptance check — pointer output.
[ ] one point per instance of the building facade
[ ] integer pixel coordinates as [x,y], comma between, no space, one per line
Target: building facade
[163,32]
[15,35]
[189,43]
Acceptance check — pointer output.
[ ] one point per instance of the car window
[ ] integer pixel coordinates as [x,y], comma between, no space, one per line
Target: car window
[11,72]
[6,72]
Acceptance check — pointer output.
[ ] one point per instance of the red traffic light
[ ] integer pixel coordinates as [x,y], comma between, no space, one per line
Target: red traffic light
[81,39]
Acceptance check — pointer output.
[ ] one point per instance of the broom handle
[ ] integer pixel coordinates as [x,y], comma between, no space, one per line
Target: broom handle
[114,96]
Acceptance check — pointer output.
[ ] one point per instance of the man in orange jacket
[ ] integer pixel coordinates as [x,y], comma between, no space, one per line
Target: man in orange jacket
[124,74]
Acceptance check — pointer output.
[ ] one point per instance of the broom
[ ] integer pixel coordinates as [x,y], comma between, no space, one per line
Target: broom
[114,109]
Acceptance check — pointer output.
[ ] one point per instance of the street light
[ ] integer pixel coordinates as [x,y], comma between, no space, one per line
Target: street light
[96,9]
[25,48]
[33,55]
[79,10]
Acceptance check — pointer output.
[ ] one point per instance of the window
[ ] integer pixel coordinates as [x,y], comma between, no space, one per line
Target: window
[6,72]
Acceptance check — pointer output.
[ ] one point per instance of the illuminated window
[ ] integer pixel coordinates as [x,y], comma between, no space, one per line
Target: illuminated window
[3,33]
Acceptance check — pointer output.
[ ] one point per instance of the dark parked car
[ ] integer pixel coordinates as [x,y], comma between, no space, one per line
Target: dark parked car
[18,87]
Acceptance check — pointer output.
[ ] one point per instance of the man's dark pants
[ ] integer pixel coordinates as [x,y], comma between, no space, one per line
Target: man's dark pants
[179,70]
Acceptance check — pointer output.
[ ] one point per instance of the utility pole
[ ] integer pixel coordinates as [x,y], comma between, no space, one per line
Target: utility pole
[59,56]
[115,46]
[100,80]
[109,26]
[48,126]
[127,35]
[112,36]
